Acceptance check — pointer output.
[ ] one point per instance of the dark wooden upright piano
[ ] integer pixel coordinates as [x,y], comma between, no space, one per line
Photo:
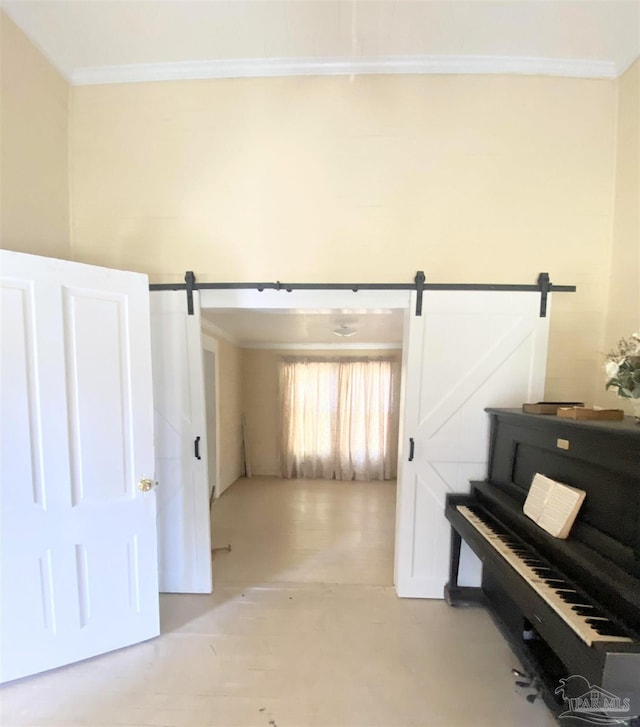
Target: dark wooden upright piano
[567,607]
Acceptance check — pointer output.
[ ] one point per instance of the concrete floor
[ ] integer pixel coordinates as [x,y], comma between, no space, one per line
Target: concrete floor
[303,630]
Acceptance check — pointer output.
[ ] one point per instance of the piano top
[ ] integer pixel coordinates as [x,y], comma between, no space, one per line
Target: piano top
[627,427]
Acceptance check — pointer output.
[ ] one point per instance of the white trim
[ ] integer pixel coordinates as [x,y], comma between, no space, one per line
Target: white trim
[324,346]
[212,330]
[300,300]
[210,345]
[270,67]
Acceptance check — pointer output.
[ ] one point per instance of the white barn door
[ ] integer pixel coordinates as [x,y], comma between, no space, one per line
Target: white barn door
[78,530]
[468,351]
[184,538]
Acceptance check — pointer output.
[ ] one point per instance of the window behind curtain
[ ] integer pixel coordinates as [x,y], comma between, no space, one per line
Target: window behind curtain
[339,418]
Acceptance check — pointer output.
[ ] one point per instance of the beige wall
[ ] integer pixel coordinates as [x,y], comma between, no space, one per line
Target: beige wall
[471,178]
[260,400]
[623,309]
[260,406]
[34,117]
[230,407]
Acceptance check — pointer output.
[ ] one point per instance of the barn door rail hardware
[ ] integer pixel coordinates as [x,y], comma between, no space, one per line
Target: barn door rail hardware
[419,284]
[544,285]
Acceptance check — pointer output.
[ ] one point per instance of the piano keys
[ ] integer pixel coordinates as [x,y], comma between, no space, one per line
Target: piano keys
[569,602]
[570,606]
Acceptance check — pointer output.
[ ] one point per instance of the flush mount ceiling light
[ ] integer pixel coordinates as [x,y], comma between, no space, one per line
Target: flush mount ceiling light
[344,331]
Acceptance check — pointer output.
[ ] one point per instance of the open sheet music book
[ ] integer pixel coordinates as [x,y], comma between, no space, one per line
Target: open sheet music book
[553,505]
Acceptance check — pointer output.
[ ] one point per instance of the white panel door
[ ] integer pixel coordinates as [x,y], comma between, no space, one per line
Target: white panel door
[184,537]
[79,556]
[468,351]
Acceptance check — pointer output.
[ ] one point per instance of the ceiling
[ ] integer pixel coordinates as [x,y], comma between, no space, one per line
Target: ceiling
[266,329]
[102,41]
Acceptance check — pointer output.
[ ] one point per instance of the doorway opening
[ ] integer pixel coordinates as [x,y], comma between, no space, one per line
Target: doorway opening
[330,532]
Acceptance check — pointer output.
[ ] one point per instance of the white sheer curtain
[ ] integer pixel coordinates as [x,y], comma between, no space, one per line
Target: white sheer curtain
[339,418]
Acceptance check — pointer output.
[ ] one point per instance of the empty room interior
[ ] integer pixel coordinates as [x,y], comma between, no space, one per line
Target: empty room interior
[315,397]
[278,278]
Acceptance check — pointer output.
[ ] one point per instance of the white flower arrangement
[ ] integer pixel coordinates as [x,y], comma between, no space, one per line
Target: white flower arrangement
[622,368]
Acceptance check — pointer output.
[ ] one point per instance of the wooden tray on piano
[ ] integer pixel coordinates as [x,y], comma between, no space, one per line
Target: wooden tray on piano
[585,413]
[548,407]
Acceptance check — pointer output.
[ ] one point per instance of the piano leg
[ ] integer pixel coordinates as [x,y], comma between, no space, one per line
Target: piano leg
[535,655]
[454,594]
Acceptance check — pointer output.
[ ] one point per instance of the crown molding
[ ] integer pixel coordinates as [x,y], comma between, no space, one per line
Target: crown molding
[322,346]
[410,65]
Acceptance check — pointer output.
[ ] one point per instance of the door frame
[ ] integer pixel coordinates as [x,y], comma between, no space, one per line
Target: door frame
[210,345]
[364,301]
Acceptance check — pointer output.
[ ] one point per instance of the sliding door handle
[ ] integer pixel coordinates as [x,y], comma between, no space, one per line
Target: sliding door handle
[196,448]
[412,445]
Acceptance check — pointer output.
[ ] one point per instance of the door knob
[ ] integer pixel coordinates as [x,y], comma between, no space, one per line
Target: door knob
[145,485]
